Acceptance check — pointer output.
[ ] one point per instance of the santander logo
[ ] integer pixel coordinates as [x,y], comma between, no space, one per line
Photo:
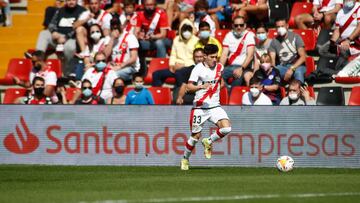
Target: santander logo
[20,143]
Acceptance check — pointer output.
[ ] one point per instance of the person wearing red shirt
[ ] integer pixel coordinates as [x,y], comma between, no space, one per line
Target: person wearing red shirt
[151,30]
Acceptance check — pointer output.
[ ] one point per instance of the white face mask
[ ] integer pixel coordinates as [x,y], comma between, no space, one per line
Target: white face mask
[261,36]
[96,36]
[254,92]
[282,31]
[293,96]
[186,34]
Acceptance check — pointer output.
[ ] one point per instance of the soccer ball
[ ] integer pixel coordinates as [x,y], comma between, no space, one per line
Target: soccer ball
[285,163]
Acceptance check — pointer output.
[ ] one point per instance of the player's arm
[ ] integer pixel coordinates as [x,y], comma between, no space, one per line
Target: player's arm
[193,87]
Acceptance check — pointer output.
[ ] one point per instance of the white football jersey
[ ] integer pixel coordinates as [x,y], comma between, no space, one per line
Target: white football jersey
[330,5]
[230,41]
[201,74]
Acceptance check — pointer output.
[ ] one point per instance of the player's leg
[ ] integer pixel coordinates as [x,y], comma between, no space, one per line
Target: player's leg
[220,118]
[303,21]
[197,119]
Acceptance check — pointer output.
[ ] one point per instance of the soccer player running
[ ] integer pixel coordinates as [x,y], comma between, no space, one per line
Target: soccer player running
[205,81]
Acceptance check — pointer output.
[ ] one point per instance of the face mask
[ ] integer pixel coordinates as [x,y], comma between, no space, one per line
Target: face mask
[265,66]
[139,85]
[200,14]
[349,5]
[186,34]
[87,92]
[293,96]
[119,89]
[96,36]
[254,92]
[204,34]
[39,91]
[282,31]
[100,66]
[237,35]
[262,36]
[149,12]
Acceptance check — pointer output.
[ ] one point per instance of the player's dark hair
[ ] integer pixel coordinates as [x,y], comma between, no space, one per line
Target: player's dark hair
[198,49]
[39,55]
[281,19]
[295,82]
[137,75]
[201,4]
[210,49]
[85,81]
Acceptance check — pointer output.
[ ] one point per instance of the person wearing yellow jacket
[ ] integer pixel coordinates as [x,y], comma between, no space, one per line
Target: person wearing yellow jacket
[181,53]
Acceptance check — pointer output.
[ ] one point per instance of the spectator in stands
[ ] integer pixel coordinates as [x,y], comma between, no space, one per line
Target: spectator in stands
[262,44]
[151,31]
[255,96]
[140,95]
[288,48]
[50,12]
[96,43]
[220,10]
[123,49]
[101,77]
[94,15]
[181,53]
[128,17]
[270,79]
[297,95]
[87,95]
[253,11]
[346,34]
[238,53]
[178,9]
[61,34]
[37,95]
[5,7]
[206,38]
[324,11]
[201,14]
[182,77]
[118,92]
[40,69]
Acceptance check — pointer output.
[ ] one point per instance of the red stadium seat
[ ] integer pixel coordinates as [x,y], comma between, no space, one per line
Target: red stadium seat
[272,33]
[309,38]
[299,8]
[236,95]
[282,92]
[171,34]
[127,90]
[155,65]
[220,34]
[55,65]
[347,80]
[224,96]
[310,65]
[11,94]
[18,67]
[161,95]
[355,96]
[70,92]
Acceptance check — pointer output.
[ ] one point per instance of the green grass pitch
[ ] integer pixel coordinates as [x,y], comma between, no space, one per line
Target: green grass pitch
[120,184]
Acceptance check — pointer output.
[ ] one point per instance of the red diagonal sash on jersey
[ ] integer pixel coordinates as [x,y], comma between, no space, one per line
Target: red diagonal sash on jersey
[102,17]
[101,81]
[122,48]
[324,3]
[129,25]
[238,50]
[349,20]
[210,92]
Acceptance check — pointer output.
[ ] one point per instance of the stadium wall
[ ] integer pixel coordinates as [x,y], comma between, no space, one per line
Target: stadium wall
[315,136]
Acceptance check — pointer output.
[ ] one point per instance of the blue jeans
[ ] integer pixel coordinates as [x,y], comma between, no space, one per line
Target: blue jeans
[126,73]
[160,76]
[160,45]
[228,73]
[299,72]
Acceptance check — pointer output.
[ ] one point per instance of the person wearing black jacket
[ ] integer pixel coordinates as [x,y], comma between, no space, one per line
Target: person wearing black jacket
[60,32]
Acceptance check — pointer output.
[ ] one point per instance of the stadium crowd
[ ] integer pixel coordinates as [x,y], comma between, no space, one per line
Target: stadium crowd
[105,47]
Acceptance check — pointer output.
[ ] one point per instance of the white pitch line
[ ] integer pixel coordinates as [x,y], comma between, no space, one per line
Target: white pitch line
[226,198]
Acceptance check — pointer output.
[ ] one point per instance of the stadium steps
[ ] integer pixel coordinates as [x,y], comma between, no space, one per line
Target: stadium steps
[22,35]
